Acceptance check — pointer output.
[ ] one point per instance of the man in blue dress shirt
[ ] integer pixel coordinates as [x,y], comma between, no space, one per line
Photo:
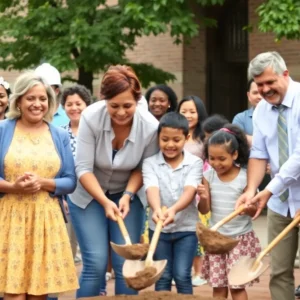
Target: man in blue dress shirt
[245,122]
[276,133]
[244,119]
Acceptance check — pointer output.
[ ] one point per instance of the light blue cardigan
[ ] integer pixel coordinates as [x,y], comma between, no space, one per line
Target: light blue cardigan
[65,180]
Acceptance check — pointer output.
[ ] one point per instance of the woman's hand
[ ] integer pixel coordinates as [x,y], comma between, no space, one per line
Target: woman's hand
[111,210]
[46,184]
[124,205]
[26,184]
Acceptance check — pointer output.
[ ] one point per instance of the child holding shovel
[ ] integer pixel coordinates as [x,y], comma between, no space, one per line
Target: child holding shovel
[227,152]
[171,178]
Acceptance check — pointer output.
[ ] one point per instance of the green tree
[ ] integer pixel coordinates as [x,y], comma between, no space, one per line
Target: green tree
[281,17]
[89,35]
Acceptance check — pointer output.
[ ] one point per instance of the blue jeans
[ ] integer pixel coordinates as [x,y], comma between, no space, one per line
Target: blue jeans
[179,249]
[93,231]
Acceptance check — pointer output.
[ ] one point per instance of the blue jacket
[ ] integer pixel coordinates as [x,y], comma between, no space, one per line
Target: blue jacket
[65,179]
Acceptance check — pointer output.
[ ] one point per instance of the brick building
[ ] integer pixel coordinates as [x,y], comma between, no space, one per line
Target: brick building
[214,64]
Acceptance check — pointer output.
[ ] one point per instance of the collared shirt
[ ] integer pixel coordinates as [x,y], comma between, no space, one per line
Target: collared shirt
[94,149]
[244,120]
[171,182]
[265,146]
[73,138]
[60,118]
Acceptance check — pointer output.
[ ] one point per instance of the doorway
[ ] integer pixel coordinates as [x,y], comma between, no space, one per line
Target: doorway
[227,59]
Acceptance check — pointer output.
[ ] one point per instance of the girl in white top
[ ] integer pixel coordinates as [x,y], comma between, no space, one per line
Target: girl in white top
[227,152]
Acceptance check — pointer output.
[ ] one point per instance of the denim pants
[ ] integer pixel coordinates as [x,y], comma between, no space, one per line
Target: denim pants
[94,231]
[178,249]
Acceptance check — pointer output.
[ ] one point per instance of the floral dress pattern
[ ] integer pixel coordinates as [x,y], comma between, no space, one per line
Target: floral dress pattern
[35,252]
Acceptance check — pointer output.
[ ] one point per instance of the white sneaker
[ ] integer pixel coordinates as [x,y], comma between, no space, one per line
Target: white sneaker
[197,281]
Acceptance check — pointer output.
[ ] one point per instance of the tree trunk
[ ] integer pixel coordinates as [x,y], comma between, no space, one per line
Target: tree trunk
[86,78]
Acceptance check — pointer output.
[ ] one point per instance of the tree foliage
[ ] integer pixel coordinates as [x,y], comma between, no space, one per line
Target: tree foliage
[88,35]
[282,17]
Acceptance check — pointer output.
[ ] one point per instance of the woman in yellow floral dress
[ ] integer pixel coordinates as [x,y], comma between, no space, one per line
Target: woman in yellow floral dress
[36,168]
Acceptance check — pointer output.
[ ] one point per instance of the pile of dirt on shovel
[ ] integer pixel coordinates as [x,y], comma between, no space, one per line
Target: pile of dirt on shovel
[155,296]
[213,241]
[139,281]
[137,251]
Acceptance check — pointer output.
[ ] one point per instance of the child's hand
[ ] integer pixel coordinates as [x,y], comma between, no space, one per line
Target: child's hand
[157,215]
[202,192]
[169,216]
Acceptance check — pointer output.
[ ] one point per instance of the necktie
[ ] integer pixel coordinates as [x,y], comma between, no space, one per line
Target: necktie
[283,143]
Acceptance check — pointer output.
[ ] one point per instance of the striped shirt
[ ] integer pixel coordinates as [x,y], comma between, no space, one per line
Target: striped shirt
[223,198]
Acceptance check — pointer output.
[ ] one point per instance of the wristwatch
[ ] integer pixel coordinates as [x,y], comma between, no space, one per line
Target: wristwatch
[131,195]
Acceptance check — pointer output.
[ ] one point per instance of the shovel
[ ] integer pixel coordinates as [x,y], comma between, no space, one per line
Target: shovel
[214,242]
[247,268]
[142,274]
[128,251]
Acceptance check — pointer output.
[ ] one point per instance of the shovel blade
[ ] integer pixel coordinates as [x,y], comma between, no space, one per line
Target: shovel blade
[242,273]
[129,251]
[131,267]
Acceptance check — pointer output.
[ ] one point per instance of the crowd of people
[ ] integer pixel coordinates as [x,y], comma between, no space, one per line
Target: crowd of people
[69,167]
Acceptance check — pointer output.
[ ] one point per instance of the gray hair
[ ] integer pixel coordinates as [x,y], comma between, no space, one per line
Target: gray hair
[22,85]
[266,60]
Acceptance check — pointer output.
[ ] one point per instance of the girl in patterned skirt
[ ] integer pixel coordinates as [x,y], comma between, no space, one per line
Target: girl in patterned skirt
[227,152]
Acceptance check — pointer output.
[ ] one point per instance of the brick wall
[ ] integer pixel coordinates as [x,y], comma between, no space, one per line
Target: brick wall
[162,53]
[261,42]
[188,62]
[194,66]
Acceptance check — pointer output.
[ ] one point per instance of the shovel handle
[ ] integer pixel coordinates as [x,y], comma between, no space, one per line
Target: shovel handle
[275,241]
[228,218]
[124,231]
[154,240]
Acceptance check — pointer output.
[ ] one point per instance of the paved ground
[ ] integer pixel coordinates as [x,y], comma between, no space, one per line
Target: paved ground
[259,291]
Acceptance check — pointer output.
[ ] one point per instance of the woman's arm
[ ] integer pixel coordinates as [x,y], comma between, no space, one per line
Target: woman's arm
[66,183]
[23,184]
[92,186]
[135,182]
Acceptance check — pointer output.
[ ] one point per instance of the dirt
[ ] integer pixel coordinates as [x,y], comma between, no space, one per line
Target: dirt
[213,241]
[155,296]
[141,279]
[137,251]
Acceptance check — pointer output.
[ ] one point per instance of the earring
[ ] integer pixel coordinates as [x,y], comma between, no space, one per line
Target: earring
[169,106]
